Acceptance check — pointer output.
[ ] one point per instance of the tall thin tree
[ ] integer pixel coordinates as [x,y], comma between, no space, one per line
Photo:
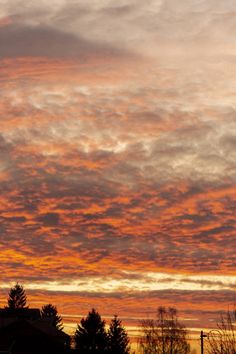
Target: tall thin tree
[118,340]
[17,298]
[90,335]
[165,335]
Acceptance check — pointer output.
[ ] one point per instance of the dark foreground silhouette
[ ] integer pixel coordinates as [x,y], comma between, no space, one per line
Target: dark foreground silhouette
[24,330]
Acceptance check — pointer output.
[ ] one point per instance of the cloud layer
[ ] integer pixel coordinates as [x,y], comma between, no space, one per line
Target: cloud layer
[155,25]
[115,165]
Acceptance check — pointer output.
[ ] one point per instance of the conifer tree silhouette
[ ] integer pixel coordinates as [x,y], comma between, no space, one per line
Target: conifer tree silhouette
[50,311]
[90,335]
[17,298]
[118,340]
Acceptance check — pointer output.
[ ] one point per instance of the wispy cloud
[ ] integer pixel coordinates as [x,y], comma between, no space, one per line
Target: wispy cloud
[132,23]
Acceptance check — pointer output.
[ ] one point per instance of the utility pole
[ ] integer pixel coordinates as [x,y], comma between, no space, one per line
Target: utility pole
[202,336]
[171,344]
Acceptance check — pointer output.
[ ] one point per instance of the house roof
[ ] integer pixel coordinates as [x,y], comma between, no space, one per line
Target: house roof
[32,314]
[46,326]
[23,336]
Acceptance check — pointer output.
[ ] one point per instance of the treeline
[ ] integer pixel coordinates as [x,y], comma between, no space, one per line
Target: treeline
[91,335]
[17,300]
[162,335]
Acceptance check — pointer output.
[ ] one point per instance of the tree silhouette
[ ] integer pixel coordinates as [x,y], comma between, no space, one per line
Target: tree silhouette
[222,340]
[90,335]
[17,298]
[165,335]
[50,311]
[118,341]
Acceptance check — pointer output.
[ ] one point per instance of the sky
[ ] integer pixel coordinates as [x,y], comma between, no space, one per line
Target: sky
[117,155]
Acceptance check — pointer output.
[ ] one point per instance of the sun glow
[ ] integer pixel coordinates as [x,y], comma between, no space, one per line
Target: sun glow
[147,281]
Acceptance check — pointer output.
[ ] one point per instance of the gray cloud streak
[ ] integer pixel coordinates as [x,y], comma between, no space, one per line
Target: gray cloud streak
[129,24]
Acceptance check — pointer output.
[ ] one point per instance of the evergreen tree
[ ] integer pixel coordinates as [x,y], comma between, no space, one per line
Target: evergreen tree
[118,341]
[50,311]
[17,298]
[90,335]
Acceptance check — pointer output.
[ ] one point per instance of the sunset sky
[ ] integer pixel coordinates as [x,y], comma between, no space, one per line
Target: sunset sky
[118,155]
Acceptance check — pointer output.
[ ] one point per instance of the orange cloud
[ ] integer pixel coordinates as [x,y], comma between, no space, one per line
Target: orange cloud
[106,177]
